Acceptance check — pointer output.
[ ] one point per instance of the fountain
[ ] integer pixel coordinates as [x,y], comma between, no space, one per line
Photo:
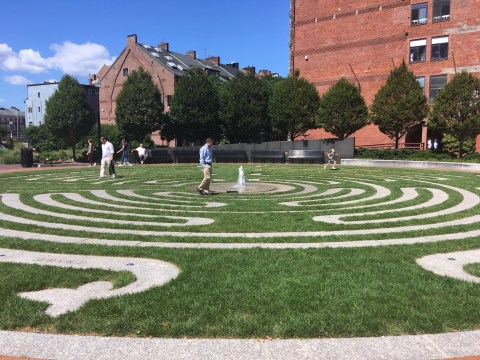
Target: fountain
[240,185]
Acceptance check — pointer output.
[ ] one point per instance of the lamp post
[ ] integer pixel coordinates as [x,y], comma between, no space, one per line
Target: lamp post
[11,129]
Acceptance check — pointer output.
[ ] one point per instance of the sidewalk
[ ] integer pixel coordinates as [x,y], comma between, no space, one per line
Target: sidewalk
[409,347]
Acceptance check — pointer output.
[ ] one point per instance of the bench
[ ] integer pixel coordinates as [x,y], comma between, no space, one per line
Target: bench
[157,156]
[263,156]
[311,156]
[186,156]
[230,156]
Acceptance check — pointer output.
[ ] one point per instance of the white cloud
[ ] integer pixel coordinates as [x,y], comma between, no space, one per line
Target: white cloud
[17,80]
[71,58]
[2,100]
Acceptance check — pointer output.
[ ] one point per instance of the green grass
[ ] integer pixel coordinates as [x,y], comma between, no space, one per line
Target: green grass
[473,269]
[249,293]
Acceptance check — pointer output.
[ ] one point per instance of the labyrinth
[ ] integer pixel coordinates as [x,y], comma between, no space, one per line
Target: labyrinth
[353,252]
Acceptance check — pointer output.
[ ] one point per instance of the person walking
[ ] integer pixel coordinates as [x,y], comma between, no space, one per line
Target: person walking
[206,160]
[107,158]
[331,160]
[90,153]
[124,151]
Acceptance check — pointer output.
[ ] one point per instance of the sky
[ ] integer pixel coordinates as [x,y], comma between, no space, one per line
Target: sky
[42,40]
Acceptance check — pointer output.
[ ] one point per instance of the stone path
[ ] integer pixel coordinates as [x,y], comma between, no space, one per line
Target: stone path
[305,196]
[70,347]
[148,272]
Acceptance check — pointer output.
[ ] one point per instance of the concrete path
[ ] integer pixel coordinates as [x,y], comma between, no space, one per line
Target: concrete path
[71,347]
[148,273]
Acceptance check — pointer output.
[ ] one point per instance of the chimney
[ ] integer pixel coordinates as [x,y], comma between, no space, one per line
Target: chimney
[214,59]
[164,46]
[192,53]
[132,39]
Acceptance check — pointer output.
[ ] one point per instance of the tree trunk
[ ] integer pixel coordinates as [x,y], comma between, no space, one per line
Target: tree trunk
[460,149]
[397,140]
[74,157]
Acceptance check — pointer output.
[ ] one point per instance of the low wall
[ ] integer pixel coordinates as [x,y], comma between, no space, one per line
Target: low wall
[413,164]
[345,148]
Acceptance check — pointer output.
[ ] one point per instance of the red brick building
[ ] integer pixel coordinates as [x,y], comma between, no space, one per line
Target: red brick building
[363,40]
[164,65]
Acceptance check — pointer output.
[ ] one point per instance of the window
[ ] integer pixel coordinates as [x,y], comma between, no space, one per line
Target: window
[421,81]
[440,48]
[38,94]
[39,110]
[125,72]
[30,110]
[441,10]
[169,100]
[30,123]
[437,83]
[419,14]
[418,50]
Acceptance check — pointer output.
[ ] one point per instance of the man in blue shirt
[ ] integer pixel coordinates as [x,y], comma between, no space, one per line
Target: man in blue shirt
[206,160]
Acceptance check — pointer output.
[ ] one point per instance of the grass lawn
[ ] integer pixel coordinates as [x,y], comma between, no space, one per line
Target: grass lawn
[250,293]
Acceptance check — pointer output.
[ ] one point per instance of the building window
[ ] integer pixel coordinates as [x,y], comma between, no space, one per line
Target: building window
[437,83]
[30,123]
[38,94]
[440,48]
[169,100]
[421,81]
[419,14]
[39,110]
[418,50]
[441,10]
[125,72]
[29,109]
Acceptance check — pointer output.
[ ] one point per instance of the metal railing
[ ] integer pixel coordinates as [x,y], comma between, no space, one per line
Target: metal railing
[417,146]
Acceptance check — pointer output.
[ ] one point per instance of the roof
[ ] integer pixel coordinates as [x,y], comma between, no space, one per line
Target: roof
[179,63]
[10,112]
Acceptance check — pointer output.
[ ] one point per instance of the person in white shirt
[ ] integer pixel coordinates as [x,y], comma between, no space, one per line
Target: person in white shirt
[107,158]
[142,153]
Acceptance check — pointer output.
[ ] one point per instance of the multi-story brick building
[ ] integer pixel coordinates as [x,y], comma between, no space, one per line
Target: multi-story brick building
[164,65]
[14,120]
[363,40]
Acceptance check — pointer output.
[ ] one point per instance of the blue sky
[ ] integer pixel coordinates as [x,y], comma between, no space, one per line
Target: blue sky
[41,40]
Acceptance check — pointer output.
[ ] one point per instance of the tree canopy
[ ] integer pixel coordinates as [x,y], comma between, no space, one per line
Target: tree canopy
[194,111]
[456,109]
[67,113]
[293,106]
[244,109]
[4,133]
[399,105]
[139,109]
[342,109]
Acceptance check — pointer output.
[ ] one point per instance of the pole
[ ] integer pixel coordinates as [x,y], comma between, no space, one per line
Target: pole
[454,63]
[356,78]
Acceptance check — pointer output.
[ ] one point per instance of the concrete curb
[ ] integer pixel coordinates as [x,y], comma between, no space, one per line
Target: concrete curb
[438,165]
[72,347]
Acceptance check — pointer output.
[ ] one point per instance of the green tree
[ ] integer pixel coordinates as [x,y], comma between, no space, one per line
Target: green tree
[194,110]
[244,109]
[456,109]
[399,105]
[4,133]
[293,106]
[67,112]
[41,138]
[342,109]
[139,109]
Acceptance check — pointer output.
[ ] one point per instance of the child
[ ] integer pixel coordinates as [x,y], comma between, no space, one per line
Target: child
[124,151]
[90,153]
[331,160]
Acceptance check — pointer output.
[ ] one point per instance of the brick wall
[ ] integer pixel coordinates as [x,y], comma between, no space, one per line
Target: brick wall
[132,58]
[363,40]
